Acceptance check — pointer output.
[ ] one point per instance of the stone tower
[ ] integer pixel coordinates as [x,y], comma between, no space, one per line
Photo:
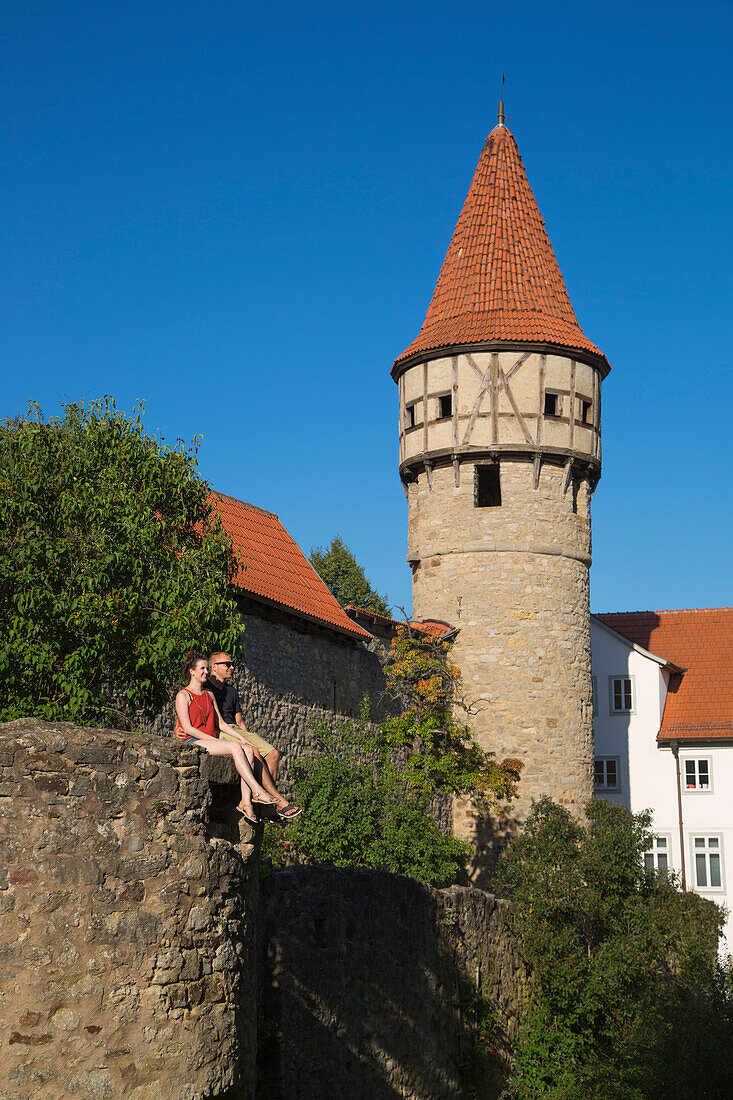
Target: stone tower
[500,451]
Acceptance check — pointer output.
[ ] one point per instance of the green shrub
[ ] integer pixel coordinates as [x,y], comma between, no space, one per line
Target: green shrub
[274,848]
[361,810]
[368,793]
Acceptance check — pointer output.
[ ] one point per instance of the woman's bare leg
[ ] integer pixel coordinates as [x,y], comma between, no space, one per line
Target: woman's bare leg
[262,773]
[250,785]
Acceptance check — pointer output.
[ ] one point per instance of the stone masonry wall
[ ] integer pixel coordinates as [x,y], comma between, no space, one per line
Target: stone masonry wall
[127,905]
[292,680]
[129,898]
[368,988]
[514,578]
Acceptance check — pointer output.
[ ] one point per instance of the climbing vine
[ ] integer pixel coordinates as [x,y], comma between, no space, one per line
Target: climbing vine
[439,752]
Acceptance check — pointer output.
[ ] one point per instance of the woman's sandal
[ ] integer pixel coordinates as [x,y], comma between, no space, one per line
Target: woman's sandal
[265,801]
[250,820]
[283,814]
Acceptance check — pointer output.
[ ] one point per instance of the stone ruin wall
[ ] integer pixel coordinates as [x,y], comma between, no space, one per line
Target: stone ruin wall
[292,680]
[368,984]
[129,896]
[128,901]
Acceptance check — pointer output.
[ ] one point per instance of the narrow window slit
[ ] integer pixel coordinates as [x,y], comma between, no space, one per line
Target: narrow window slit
[487,493]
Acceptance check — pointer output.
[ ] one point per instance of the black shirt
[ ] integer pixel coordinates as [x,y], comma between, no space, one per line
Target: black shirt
[226,697]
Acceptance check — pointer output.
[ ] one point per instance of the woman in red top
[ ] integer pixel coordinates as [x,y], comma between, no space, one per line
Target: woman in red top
[199,722]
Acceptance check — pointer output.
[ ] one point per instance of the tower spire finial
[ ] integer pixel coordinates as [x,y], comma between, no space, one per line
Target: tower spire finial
[500,119]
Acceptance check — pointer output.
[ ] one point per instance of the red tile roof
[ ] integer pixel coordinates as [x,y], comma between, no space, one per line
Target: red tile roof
[701,642]
[436,628]
[275,569]
[500,280]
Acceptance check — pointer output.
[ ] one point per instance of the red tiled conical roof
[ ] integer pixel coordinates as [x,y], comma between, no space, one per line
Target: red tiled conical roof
[500,280]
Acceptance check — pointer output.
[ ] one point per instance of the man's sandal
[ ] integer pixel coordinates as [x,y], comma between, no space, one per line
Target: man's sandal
[284,812]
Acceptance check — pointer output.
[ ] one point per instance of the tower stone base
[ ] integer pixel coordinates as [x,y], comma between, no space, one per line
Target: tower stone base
[514,579]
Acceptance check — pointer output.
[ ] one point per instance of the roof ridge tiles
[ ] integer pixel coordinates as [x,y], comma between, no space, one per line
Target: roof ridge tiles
[368,611]
[244,503]
[665,611]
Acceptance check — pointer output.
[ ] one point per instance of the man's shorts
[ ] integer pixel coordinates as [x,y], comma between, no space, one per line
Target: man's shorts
[253,738]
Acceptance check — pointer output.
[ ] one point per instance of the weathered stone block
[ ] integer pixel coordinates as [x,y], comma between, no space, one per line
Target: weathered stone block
[93,753]
[78,870]
[140,867]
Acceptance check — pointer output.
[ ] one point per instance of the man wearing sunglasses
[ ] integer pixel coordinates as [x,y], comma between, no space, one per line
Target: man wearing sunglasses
[267,757]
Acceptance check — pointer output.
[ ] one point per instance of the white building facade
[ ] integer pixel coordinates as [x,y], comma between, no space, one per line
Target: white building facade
[680,770]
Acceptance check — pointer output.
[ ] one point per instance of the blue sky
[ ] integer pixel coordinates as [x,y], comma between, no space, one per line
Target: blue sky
[238,212]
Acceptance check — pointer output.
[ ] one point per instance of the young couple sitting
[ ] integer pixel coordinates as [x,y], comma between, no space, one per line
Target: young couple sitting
[199,708]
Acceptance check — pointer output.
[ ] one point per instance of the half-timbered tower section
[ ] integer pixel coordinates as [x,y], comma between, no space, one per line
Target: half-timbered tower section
[500,451]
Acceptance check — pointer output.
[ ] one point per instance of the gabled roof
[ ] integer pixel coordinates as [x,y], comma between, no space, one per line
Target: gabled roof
[500,280]
[275,570]
[670,666]
[699,705]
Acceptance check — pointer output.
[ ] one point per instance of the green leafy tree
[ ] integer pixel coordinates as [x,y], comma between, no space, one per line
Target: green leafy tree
[339,570]
[112,566]
[628,998]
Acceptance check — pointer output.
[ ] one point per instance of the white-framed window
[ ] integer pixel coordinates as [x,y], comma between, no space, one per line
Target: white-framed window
[697,774]
[621,694]
[657,859]
[606,773]
[594,684]
[707,857]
